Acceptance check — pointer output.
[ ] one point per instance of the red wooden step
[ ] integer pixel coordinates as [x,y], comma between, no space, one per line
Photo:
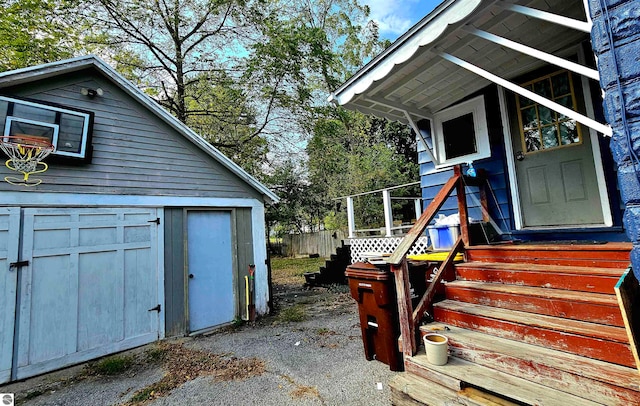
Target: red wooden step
[583,306]
[608,255]
[606,343]
[585,279]
[599,381]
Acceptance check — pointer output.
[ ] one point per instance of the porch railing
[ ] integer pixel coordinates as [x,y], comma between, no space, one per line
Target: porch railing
[409,318]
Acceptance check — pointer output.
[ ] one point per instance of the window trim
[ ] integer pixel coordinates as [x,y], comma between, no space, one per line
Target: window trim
[476,107]
[86,116]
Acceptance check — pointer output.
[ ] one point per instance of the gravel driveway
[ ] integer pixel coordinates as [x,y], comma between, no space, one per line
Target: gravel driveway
[276,361]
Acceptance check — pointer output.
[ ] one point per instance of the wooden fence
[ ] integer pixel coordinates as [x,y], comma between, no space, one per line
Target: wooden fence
[323,243]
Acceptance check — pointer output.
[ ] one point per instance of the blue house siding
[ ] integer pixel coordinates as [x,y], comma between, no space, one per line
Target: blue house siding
[431,181]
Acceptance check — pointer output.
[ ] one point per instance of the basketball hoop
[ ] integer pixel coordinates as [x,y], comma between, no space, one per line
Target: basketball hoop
[25,154]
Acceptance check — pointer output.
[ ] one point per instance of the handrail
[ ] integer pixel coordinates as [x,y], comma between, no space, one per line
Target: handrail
[398,260]
[421,224]
[443,273]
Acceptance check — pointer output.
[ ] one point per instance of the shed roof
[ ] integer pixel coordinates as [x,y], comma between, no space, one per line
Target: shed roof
[30,74]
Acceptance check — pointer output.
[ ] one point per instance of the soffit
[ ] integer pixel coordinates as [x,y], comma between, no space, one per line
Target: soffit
[424,82]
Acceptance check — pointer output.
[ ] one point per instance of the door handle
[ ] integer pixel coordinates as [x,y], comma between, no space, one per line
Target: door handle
[520,156]
[190,276]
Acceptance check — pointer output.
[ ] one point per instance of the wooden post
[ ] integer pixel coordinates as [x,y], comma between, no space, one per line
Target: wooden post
[462,205]
[405,312]
[484,205]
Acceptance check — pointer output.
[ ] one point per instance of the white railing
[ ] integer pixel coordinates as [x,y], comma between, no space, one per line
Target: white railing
[389,227]
[361,246]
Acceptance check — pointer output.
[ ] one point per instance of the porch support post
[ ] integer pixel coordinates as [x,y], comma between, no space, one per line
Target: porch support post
[604,129]
[405,310]
[428,148]
[388,215]
[462,207]
[350,218]
[418,207]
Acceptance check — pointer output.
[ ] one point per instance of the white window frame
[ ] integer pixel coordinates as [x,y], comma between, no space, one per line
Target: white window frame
[474,106]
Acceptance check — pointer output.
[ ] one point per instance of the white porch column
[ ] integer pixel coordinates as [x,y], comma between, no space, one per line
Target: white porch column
[350,218]
[388,216]
[418,206]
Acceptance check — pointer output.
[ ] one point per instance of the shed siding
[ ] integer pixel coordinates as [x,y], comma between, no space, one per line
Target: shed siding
[134,152]
[431,181]
[174,288]
[244,240]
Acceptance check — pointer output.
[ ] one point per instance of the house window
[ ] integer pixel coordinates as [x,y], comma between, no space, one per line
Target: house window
[461,133]
[542,128]
[69,130]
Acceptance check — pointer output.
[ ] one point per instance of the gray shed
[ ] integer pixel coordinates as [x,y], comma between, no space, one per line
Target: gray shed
[139,230]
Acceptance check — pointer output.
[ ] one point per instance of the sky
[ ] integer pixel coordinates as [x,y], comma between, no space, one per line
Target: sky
[395,17]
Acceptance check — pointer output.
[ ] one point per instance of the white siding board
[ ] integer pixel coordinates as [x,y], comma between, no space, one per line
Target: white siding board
[133,150]
[9,237]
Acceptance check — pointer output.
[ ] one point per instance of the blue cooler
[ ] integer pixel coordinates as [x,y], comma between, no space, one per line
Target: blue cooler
[443,237]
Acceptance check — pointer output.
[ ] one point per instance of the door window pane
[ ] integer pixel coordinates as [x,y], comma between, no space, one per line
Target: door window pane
[541,127]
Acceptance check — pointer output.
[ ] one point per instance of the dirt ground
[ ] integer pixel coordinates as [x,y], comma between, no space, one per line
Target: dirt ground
[308,351]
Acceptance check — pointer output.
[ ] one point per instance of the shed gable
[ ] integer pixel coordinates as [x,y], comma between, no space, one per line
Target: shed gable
[134,151]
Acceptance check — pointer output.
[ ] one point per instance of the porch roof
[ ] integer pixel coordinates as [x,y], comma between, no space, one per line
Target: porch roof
[462,47]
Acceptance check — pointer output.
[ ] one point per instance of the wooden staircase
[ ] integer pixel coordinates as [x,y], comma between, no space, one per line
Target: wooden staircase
[529,325]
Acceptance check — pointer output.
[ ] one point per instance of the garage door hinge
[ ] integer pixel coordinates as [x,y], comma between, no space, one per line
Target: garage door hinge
[157,221]
[18,264]
[155,309]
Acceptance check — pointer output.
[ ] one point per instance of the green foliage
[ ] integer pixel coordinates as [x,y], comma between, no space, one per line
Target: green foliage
[293,314]
[296,266]
[113,365]
[350,153]
[36,31]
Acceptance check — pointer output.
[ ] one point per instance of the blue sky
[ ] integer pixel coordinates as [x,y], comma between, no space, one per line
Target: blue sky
[396,16]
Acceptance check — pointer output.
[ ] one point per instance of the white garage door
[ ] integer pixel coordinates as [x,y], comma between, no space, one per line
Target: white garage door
[87,291]
[9,229]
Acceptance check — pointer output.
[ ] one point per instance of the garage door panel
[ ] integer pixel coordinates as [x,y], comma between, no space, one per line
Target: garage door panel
[102,276]
[91,237]
[139,292]
[45,309]
[49,239]
[9,237]
[100,299]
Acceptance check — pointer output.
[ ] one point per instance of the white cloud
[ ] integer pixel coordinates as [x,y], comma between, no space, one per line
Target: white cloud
[395,17]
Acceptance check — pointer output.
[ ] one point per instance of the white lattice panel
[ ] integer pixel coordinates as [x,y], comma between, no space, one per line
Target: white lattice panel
[383,245]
